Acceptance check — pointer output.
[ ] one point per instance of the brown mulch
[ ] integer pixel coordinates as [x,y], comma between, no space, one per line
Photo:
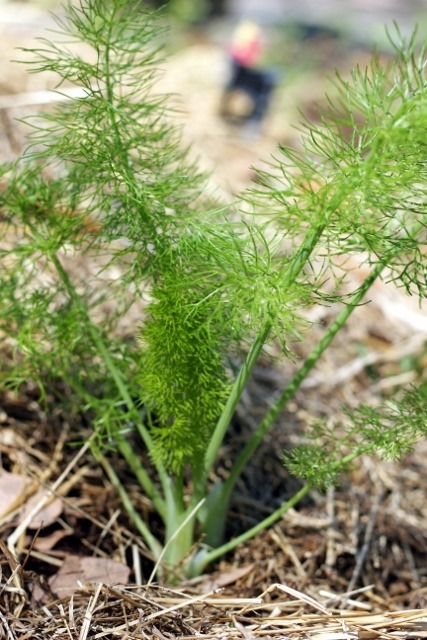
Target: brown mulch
[350,562]
[157,612]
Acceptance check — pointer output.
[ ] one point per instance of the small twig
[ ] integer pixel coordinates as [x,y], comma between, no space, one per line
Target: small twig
[20,529]
[345,599]
[299,595]
[282,541]
[6,626]
[354,367]
[44,557]
[172,538]
[243,630]
[136,561]
[160,612]
[399,380]
[367,539]
[411,562]
[107,527]
[89,613]
[66,622]
[32,543]
[331,555]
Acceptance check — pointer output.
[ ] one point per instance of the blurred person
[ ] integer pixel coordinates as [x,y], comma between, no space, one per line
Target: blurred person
[248,92]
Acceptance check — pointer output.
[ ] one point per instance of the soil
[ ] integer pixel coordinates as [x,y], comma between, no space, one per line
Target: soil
[351,561]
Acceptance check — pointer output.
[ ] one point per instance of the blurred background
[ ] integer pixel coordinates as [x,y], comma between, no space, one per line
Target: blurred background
[358,19]
[300,44]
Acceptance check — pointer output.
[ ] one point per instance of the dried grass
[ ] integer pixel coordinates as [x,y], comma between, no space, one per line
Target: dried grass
[100,611]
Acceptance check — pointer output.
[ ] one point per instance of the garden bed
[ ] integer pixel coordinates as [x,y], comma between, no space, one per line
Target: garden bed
[349,563]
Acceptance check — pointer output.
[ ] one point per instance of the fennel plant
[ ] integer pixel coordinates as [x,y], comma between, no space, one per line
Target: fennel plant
[106,175]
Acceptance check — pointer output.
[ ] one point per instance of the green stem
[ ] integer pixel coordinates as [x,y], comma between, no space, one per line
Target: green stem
[292,387]
[179,538]
[203,558]
[142,476]
[111,99]
[233,399]
[152,542]
[297,264]
[126,451]
[124,447]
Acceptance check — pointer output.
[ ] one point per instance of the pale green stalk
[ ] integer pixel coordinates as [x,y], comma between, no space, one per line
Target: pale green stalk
[298,263]
[271,416]
[178,551]
[142,476]
[154,545]
[215,514]
[124,446]
[203,557]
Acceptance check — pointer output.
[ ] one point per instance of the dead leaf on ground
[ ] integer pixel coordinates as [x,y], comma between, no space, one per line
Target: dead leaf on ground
[14,489]
[47,543]
[47,514]
[226,578]
[8,437]
[78,571]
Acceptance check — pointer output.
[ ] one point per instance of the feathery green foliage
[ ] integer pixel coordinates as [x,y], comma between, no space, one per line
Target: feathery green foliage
[105,176]
[390,430]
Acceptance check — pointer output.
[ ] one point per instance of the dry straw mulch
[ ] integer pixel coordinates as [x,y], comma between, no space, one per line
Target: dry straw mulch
[294,581]
[157,612]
